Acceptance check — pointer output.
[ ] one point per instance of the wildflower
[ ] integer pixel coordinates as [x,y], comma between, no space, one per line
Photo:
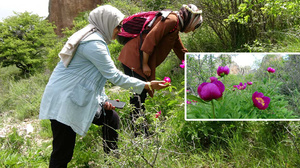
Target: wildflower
[212,79]
[209,91]
[271,70]
[157,114]
[260,101]
[241,86]
[188,102]
[249,83]
[183,64]
[223,71]
[167,80]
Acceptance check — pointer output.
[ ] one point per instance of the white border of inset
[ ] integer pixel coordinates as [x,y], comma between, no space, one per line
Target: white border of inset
[185,94]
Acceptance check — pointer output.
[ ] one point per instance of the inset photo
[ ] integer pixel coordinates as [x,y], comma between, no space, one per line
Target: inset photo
[242,86]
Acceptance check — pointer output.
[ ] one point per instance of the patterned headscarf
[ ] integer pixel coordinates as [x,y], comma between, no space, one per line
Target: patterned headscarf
[105,18]
[190,17]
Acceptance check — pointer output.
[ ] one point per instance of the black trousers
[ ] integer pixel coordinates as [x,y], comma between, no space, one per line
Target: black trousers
[64,138]
[137,101]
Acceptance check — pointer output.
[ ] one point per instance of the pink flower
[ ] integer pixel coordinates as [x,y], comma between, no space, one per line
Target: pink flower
[183,64]
[212,79]
[157,114]
[260,101]
[167,80]
[188,102]
[241,86]
[249,83]
[271,70]
[209,91]
[223,71]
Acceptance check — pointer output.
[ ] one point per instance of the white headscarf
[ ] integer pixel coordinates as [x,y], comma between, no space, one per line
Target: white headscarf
[190,17]
[103,19]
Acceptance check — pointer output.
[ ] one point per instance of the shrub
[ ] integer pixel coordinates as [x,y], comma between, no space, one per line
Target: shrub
[24,39]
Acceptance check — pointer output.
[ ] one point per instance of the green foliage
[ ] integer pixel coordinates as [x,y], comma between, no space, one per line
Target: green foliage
[275,41]
[127,7]
[156,4]
[115,49]
[20,151]
[202,39]
[284,9]
[52,58]
[24,39]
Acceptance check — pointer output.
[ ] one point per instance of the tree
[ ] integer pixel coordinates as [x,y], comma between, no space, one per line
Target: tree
[24,40]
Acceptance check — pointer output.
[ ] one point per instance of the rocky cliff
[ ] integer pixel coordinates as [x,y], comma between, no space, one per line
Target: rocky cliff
[62,12]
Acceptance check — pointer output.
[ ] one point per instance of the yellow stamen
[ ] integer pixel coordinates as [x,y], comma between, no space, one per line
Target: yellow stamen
[260,100]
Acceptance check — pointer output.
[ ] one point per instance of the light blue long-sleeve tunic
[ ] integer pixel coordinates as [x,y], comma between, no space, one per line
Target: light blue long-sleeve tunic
[72,94]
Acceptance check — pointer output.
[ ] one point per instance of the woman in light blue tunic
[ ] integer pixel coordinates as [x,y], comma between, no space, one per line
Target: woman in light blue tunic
[76,86]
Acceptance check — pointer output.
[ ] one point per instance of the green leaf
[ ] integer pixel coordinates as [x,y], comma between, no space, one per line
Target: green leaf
[192,97]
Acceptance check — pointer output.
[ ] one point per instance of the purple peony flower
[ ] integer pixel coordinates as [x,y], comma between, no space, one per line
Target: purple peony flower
[249,83]
[271,70]
[260,101]
[241,86]
[223,71]
[209,91]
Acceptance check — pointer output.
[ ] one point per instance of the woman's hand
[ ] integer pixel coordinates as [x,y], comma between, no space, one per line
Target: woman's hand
[146,70]
[156,85]
[108,106]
